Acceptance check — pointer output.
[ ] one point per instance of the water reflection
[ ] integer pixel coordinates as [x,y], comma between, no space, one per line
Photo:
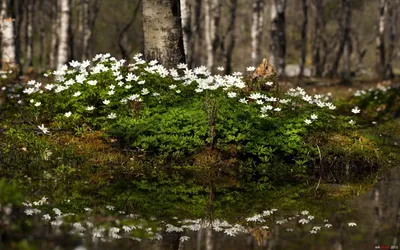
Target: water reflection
[367,221]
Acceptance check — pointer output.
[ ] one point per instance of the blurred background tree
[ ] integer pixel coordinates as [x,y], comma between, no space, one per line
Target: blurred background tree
[315,38]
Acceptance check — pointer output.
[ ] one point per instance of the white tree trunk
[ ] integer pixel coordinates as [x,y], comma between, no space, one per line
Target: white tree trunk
[163,38]
[185,17]
[256,30]
[208,30]
[62,57]
[7,42]
[212,9]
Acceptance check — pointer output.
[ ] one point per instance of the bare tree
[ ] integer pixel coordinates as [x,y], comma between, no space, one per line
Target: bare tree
[231,35]
[393,12]
[125,29]
[54,34]
[380,39]
[345,26]
[304,37]
[256,30]
[63,47]
[316,47]
[29,25]
[7,42]
[91,10]
[278,36]
[163,38]
[197,36]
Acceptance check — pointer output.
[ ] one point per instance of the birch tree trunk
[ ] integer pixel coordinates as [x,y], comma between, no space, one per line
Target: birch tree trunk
[212,19]
[278,36]
[304,38]
[7,39]
[256,30]
[186,28]
[345,37]
[380,40]
[163,38]
[63,47]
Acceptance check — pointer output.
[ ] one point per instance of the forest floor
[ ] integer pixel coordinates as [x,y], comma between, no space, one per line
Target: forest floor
[89,170]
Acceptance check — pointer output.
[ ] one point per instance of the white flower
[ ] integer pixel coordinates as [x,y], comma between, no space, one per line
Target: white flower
[243,100]
[260,102]
[46,217]
[255,96]
[106,102]
[92,82]
[109,207]
[141,82]
[29,91]
[178,91]
[111,92]
[231,94]
[37,104]
[328,225]
[305,212]
[173,86]
[182,66]
[220,68]
[184,238]
[250,69]
[112,116]
[355,110]
[80,78]
[303,221]
[89,108]
[43,129]
[307,121]
[145,91]
[269,83]
[76,94]
[313,231]
[352,122]
[128,86]
[153,62]
[316,228]
[352,224]
[314,117]
[68,114]
[49,86]
[277,109]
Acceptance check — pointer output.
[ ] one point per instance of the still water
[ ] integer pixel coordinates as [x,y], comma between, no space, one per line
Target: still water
[368,220]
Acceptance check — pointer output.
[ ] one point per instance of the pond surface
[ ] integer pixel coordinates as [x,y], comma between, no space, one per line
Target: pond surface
[366,221]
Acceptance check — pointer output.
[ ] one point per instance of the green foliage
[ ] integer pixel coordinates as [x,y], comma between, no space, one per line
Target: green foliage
[378,104]
[10,193]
